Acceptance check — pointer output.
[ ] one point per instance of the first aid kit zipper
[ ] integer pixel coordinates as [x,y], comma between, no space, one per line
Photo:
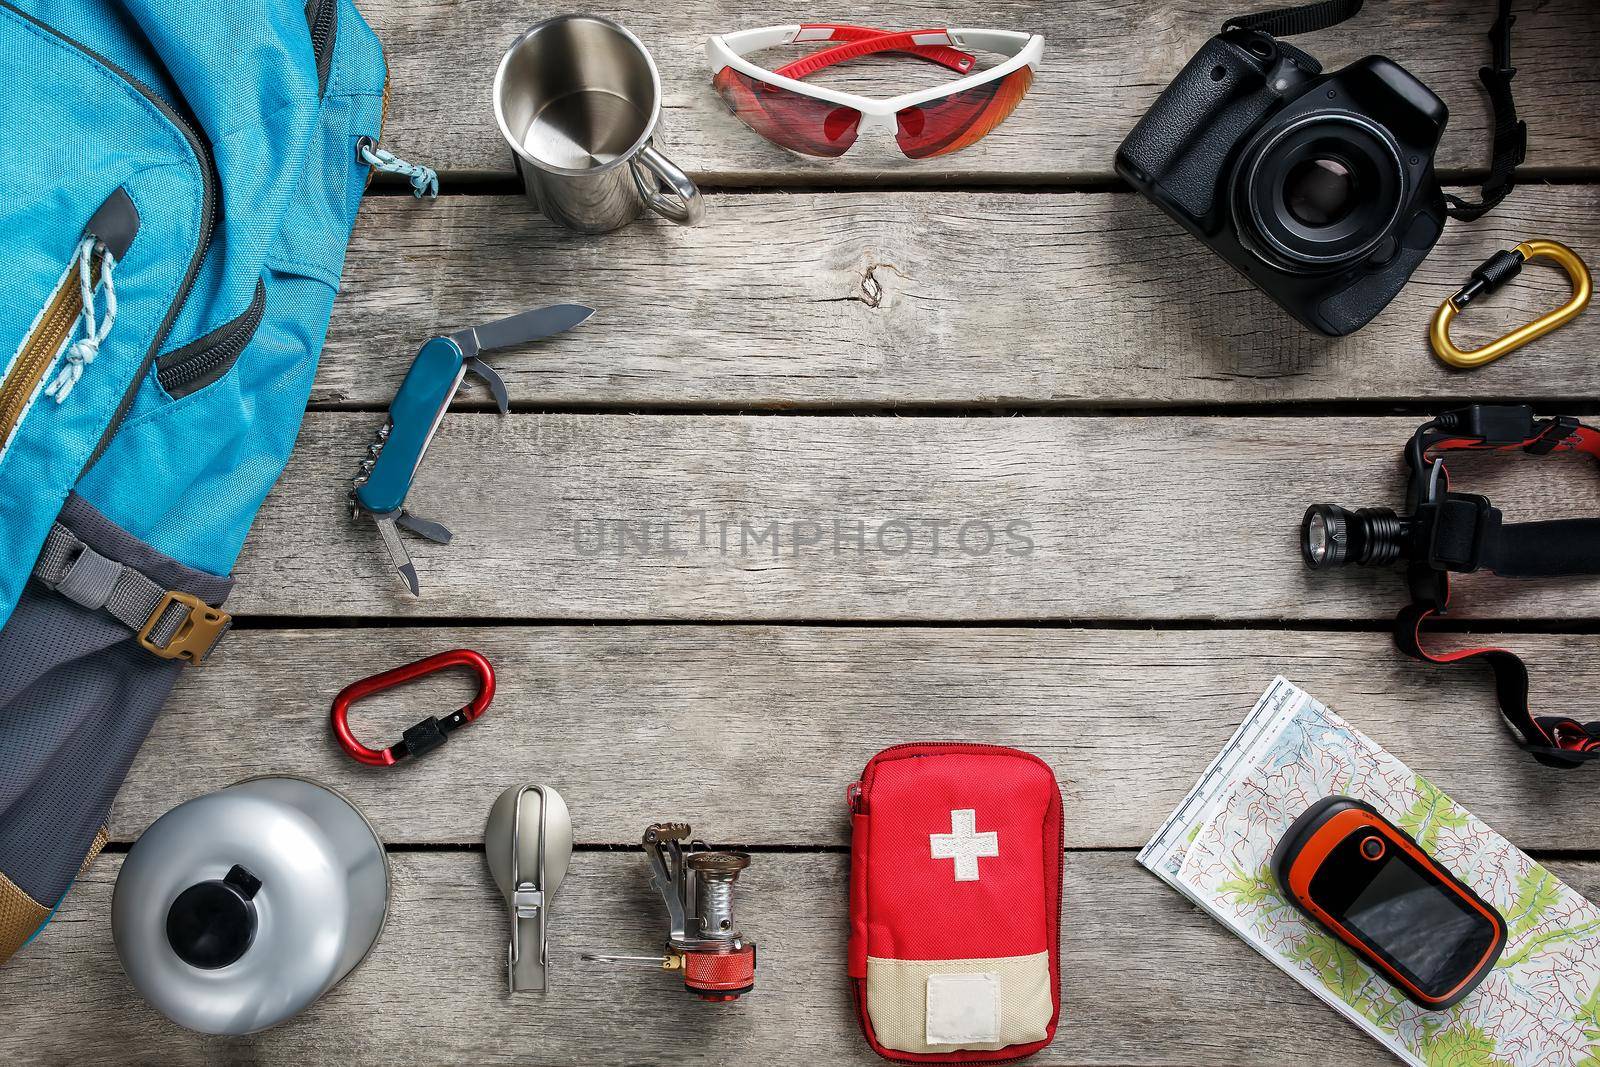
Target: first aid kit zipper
[208,214]
[853,793]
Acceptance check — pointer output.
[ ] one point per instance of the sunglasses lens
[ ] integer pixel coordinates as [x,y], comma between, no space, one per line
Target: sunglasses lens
[953,122]
[789,119]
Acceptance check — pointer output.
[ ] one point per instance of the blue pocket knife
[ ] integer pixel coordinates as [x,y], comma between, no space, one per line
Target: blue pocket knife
[379,491]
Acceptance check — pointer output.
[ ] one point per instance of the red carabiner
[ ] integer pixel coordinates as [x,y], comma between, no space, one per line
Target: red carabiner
[428,734]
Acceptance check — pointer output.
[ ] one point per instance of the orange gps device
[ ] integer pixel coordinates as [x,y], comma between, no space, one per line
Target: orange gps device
[1369,884]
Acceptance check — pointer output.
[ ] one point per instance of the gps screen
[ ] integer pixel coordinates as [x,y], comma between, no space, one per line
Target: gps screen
[1433,934]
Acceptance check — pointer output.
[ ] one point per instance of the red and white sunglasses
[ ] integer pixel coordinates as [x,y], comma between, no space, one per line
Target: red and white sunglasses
[825,122]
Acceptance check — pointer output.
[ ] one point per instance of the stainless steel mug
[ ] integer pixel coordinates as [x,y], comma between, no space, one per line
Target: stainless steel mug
[578,98]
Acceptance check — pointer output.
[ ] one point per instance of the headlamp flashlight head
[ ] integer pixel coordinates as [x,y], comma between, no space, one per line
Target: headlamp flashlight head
[1332,536]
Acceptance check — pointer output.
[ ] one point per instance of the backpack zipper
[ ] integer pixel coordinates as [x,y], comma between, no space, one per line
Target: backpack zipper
[208,216]
[105,240]
[202,362]
[323,18]
[43,344]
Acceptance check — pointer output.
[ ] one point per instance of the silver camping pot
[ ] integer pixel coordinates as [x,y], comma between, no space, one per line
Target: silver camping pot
[238,909]
[578,98]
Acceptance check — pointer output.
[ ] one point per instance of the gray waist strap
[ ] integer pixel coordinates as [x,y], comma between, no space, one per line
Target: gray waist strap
[169,623]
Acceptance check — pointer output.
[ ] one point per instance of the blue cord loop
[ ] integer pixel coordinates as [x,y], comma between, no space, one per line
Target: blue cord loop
[423,179]
[95,328]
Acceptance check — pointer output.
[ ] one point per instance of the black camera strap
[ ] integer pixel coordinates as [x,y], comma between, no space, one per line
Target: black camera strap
[1468,535]
[1510,133]
[1510,137]
[1301,18]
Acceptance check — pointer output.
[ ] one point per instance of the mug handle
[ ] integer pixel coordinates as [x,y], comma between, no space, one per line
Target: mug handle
[684,205]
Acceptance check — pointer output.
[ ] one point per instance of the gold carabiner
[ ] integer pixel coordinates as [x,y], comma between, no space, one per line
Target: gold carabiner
[1495,272]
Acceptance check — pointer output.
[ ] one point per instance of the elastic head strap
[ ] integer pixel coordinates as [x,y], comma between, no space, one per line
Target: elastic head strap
[1469,534]
[1552,436]
[1554,740]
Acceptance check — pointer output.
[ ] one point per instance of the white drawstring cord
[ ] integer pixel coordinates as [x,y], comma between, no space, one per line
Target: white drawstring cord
[83,350]
[423,179]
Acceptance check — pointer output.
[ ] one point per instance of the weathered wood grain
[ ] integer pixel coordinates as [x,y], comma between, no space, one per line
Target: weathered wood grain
[1104,64]
[1146,979]
[755,731]
[825,518]
[922,298]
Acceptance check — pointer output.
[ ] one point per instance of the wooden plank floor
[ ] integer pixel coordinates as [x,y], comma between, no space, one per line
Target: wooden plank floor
[980,448]
[919,300]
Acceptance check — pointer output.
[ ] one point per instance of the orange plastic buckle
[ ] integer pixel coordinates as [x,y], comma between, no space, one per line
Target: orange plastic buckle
[199,632]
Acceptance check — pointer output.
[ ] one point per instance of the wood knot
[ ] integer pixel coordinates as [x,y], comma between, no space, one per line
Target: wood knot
[872,290]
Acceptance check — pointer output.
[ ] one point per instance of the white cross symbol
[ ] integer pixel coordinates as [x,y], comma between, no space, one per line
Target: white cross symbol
[964,844]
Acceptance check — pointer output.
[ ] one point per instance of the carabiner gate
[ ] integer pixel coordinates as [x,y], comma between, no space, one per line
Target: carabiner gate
[1491,275]
[428,734]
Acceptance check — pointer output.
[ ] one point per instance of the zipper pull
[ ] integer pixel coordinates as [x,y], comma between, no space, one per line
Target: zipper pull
[95,329]
[423,179]
[852,798]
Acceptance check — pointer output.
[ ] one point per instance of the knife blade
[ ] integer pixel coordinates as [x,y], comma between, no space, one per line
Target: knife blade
[520,328]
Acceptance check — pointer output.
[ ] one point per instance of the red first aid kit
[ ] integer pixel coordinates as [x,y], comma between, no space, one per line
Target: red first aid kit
[955,903]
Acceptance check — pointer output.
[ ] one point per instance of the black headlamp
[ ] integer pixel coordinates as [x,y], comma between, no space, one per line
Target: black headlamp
[1331,536]
[1445,532]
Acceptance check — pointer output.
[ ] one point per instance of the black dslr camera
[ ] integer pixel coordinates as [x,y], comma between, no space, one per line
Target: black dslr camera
[1319,188]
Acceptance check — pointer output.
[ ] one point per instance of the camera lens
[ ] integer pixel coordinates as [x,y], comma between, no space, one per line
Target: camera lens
[1320,191]
[1331,536]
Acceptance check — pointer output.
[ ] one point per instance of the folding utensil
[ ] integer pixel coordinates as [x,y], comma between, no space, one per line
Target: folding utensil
[528,843]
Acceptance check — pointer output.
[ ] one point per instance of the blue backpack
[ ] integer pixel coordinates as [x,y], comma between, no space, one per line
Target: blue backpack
[181,181]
